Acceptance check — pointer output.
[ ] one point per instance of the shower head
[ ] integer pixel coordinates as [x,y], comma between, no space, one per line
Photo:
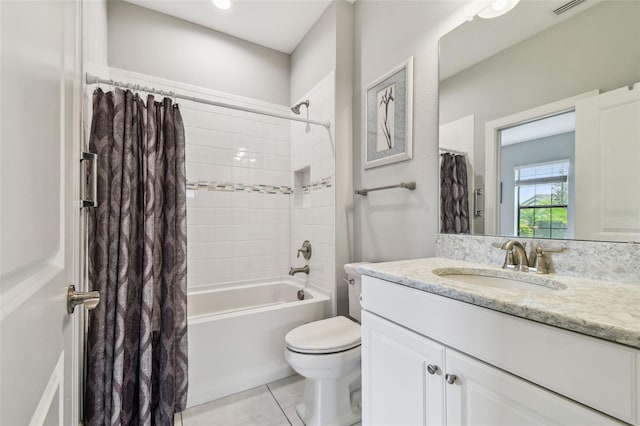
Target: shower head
[296,108]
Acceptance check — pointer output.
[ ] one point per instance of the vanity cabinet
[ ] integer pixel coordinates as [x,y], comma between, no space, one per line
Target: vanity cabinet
[431,360]
[409,379]
[402,378]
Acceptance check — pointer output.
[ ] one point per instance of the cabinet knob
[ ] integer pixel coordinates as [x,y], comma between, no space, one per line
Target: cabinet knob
[450,378]
[432,369]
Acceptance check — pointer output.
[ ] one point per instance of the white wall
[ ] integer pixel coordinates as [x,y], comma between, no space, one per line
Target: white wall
[315,56]
[400,224]
[94,55]
[152,43]
[343,152]
[95,35]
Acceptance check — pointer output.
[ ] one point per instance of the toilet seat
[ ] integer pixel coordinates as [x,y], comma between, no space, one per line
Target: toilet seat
[326,336]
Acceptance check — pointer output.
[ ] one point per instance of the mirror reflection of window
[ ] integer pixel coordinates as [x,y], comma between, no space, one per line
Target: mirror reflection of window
[542,200]
[537,197]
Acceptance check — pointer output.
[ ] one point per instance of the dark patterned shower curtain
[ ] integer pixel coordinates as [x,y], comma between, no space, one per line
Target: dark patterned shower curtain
[137,337]
[454,195]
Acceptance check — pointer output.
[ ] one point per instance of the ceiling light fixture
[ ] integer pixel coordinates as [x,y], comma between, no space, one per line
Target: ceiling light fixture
[222,4]
[498,8]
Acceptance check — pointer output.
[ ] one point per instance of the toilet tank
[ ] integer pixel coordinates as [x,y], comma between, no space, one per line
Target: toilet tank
[354,281]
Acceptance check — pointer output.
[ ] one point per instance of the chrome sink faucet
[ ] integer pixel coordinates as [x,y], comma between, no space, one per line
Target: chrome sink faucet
[516,256]
[304,269]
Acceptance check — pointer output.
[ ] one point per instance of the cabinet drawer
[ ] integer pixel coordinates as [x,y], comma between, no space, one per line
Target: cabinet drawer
[599,374]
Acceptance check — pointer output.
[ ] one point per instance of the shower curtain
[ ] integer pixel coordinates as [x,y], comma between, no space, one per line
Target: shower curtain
[454,195]
[137,337]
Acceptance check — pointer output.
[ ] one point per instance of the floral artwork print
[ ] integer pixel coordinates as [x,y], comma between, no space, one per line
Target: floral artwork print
[386,98]
[388,112]
[386,118]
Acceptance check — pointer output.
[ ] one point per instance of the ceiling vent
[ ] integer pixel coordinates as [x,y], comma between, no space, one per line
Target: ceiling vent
[567,6]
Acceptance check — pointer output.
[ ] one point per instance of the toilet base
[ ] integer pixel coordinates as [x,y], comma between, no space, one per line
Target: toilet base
[336,402]
[331,389]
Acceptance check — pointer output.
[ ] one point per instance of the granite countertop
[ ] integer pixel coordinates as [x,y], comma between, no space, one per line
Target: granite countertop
[602,309]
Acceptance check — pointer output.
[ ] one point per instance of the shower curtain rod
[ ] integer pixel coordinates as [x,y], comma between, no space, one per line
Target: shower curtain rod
[92,79]
[452,151]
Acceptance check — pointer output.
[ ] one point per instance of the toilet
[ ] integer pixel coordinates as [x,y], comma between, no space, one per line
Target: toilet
[327,354]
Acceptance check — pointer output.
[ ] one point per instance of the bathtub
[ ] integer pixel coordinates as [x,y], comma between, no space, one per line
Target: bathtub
[236,333]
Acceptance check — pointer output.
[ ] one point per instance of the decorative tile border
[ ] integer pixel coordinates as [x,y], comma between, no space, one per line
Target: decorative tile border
[324,183]
[238,187]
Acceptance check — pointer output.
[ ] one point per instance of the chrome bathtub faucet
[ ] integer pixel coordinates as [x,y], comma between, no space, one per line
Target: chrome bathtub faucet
[304,269]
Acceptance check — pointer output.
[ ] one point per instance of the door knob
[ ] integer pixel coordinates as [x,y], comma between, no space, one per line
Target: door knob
[89,299]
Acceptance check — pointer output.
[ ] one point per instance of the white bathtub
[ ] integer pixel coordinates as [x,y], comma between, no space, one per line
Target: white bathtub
[236,334]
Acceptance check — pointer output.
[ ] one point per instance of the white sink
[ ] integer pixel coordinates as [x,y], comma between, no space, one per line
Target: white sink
[500,278]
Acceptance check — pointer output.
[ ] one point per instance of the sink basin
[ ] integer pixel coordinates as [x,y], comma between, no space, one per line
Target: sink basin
[500,279]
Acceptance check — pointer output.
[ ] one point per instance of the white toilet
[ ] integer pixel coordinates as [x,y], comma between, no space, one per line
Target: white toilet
[327,354]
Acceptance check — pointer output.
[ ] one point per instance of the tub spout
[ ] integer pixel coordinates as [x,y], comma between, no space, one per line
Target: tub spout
[304,269]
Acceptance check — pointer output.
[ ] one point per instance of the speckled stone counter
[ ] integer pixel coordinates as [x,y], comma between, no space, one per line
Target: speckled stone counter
[607,310]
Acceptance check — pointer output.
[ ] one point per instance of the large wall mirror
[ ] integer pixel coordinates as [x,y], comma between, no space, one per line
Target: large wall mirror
[540,122]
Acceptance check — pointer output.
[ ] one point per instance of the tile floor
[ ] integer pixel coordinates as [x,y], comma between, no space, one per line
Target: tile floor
[268,405]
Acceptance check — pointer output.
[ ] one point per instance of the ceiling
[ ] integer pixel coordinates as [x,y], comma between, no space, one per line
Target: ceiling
[276,24]
[482,38]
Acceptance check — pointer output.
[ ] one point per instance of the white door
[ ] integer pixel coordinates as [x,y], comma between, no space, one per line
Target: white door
[484,395]
[39,120]
[402,377]
[607,158]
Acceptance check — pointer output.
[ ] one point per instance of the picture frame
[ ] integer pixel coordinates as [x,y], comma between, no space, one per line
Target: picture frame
[388,135]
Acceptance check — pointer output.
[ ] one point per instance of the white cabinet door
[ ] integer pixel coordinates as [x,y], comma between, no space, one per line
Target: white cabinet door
[397,387]
[484,395]
[40,128]
[607,157]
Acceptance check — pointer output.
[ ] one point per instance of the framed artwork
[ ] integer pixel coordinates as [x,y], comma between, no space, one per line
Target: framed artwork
[389,115]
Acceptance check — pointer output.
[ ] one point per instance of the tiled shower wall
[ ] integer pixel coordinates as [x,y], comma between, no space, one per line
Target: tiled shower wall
[313,204]
[238,173]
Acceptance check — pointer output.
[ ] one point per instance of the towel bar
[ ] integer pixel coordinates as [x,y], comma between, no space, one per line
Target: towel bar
[407,185]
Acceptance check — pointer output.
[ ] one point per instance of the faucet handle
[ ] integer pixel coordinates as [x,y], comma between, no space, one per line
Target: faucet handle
[538,259]
[552,250]
[305,250]
[509,262]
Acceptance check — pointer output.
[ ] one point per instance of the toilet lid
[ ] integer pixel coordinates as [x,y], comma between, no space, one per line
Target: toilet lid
[325,336]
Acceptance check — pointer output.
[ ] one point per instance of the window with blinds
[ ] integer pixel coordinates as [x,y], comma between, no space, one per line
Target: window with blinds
[542,197]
